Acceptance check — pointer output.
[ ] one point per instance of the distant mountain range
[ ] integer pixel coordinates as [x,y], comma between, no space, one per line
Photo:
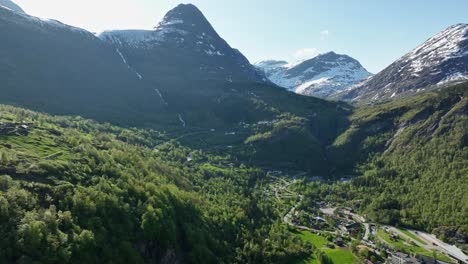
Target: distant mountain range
[72,64]
[438,62]
[321,76]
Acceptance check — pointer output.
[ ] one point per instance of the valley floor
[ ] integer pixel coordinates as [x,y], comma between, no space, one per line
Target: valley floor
[332,229]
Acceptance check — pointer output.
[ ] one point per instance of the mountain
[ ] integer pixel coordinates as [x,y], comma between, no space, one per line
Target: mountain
[321,76]
[127,83]
[181,78]
[183,45]
[49,66]
[12,6]
[441,60]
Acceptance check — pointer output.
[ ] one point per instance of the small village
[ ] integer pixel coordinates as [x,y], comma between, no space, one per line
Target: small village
[15,128]
[345,229]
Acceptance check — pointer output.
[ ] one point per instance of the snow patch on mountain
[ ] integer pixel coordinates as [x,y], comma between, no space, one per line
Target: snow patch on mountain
[214,52]
[455,77]
[172,26]
[138,38]
[442,47]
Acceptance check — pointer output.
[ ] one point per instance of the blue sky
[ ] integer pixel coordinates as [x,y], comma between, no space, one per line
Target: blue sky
[375,32]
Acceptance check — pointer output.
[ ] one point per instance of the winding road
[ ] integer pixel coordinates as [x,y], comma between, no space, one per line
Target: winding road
[287,218]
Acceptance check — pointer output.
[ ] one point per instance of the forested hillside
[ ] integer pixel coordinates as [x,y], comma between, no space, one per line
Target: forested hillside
[414,161]
[75,191]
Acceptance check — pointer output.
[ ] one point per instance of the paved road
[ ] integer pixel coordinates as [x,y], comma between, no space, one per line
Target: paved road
[450,249]
[432,243]
[367,233]
[283,188]
[287,218]
[427,246]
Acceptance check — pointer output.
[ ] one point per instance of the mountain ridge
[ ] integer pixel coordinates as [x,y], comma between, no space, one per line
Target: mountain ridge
[440,60]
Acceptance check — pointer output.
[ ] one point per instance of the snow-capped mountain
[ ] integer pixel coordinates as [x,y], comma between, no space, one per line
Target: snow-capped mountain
[321,76]
[441,60]
[179,74]
[12,6]
[183,42]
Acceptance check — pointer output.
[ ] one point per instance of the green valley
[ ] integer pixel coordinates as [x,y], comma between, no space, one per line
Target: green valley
[72,186]
[167,145]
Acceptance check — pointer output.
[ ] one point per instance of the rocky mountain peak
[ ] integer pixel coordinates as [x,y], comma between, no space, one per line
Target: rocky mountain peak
[186,40]
[185,15]
[189,21]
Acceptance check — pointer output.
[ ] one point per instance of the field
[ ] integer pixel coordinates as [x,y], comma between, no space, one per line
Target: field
[337,255]
[316,240]
[36,145]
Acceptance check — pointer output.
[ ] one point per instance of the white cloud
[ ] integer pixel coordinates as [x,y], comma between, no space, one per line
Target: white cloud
[324,34]
[306,53]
